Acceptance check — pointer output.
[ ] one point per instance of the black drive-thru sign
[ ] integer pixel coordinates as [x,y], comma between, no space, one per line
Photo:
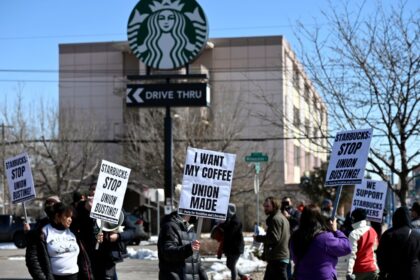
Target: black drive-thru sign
[162,95]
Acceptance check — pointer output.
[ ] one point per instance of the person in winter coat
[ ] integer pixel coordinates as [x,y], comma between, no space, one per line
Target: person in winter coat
[58,254]
[112,244]
[233,240]
[398,252]
[36,256]
[364,241]
[415,216]
[316,246]
[178,250]
[276,240]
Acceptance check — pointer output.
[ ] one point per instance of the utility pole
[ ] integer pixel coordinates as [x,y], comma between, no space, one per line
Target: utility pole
[3,157]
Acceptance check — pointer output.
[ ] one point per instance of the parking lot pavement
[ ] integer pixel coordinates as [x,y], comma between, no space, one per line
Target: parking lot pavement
[12,264]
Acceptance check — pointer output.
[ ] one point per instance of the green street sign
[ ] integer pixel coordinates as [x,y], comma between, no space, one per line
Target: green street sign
[256,157]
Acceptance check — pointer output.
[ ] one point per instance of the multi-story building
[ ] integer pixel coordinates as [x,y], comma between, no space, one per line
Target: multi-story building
[259,79]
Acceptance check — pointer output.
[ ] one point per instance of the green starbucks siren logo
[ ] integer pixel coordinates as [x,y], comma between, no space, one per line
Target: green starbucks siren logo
[167,34]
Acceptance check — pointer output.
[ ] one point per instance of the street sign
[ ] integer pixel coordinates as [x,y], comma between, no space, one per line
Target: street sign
[167,95]
[256,157]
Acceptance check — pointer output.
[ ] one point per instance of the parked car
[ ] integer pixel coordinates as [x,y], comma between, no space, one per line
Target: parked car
[141,234]
[11,229]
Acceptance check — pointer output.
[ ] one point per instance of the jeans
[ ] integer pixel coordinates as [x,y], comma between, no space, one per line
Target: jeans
[231,261]
[276,270]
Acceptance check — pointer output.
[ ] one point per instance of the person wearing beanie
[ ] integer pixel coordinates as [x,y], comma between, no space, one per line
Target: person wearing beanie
[178,249]
[415,216]
[363,241]
[327,208]
[233,240]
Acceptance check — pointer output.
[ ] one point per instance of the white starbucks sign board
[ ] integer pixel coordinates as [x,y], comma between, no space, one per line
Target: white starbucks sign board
[348,157]
[167,34]
[110,192]
[371,196]
[206,183]
[19,178]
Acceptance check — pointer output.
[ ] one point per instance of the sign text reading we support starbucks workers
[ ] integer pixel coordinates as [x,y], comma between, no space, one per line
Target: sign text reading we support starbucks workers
[207,181]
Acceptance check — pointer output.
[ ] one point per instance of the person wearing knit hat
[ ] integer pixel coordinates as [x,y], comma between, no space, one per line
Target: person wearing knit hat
[415,216]
[233,240]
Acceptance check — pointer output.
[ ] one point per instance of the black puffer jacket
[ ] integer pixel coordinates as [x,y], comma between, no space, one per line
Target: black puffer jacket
[233,239]
[398,253]
[176,258]
[38,261]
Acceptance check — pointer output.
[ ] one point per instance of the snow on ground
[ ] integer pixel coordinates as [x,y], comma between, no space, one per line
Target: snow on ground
[7,246]
[217,269]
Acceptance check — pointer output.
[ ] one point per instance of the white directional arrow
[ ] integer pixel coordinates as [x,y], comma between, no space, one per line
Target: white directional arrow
[136,95]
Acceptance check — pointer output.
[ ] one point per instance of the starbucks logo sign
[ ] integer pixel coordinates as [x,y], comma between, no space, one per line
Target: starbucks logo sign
[167,34]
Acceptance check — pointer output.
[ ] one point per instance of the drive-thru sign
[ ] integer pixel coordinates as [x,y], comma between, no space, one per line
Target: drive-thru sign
[348,158]
[161,95]
[206,183]
[110,191]
[19,178]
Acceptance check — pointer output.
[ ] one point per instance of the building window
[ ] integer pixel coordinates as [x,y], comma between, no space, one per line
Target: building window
[307,161]
[306,95]
[315,101]
[296,117]
[315,140]
[296,77]
[307,128]
[297,156]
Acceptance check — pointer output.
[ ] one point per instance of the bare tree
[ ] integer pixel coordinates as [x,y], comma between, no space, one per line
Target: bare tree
[367,67]
[61,158]
[192,127]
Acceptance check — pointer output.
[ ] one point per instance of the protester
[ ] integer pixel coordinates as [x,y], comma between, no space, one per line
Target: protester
[398,252]
[291,213]
[33,246]
[276,240]
[364,241]
[327,208]
[112,245]
[178,250]
[59,254]
[233,240]
[316,246]
[77,197]
[293,216]
[415,216]
[378,226]
[300,206]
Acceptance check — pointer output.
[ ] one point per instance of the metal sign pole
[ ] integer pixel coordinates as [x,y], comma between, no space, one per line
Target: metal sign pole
[257,190]
[336,201]
[158,212]
[199,227]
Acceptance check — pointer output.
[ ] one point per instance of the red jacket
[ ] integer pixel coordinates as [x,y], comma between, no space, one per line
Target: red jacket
[363,241]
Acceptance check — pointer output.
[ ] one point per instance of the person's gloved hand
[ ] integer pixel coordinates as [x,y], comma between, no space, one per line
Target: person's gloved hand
[350,277]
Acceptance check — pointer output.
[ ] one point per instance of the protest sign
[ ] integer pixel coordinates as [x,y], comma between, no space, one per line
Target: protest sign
[206,183]
[110,191]
[371,196]
[19,178]
[348,158]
